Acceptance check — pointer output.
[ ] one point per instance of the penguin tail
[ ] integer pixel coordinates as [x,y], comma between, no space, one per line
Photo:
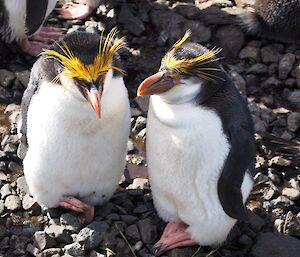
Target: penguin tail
[249,22]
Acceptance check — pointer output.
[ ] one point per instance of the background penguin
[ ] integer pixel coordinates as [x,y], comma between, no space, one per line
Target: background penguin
[78,9]
[274,19]
[75,123]
[22,20]
[200,147]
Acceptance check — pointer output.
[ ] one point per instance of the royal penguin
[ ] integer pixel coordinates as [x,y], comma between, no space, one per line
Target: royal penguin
[22,21]
[200,147]
[75,123]
[78,9]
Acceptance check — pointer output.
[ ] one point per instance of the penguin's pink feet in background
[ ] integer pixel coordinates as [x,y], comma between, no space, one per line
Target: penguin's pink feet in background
[77,10]
[35,44]
[174,235]
[47,34]
[74,204]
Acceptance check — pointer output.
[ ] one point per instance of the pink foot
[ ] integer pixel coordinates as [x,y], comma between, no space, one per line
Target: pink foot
[33,48]
[74,204]
[47,34]
[75,10]
[174,235]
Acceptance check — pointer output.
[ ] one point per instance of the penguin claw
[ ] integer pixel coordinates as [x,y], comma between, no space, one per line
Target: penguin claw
[158,249]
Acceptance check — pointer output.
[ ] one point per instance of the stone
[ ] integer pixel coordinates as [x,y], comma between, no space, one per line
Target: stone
[92,235]
[6,78]
[278,245]
[141,183]
[43,240]
[32,250]
[271,82]
[22,185]
[269,54]
[4,243]
[70,222]
[140,124]
[28,203]
[187,10]
[293,98]
[231,39]
[12,203]
[278,160]
[5,95]
[74,249]
[6,190]
[286,65]
[17,244]
[2,208]
[51,252]
[258,69]
[133,232]
[291,193]
[291,225]
[147,230]
[23,77]
[129,219]
[250,53]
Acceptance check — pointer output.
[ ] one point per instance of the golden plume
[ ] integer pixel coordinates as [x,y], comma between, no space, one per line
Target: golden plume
[194,66]
[74,68]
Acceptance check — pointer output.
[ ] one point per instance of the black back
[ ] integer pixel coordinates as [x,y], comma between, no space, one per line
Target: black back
[222,96]
[278,19]
[35,15]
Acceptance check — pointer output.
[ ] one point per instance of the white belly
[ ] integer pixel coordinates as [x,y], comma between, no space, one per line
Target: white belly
[71,151]
[186,150]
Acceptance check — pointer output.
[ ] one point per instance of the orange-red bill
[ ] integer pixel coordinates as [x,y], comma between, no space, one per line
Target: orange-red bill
[156,84]
[93,96]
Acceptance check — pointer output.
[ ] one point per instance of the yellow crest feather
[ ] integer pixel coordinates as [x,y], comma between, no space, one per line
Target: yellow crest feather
[74,68]
[194,66]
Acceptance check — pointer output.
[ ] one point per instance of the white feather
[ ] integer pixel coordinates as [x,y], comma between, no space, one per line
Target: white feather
[186,150]
[71,151]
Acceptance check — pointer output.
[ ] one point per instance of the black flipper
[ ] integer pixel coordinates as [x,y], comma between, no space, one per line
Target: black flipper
[239,160]
[35,15]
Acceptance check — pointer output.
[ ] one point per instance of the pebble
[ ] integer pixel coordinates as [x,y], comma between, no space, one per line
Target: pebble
[12,202]
[250,53]
[147,230]
[269,54]
[286,65]
[43,240]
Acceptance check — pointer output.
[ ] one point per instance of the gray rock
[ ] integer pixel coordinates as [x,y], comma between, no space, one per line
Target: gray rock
[6,190]
[294,98]
[18,244]
[290,82]
[140,209]
[141,183]
[278,245]
[271,82]
[28,203]
[129,219]
[133,232]
[286,65]
[96,254]
[187,10]
[258,68]
[74,249]
[23,77]
[12,202]
[5,95]
[147,230]
[22,185]
[92,235]
[2,208]
[131,22]
[70,222]
[6,78]
[291,193]
[10,148]
[4,243]
[231,39]
[43,240]
[291,225]
[143,103]
[140,124]
[269,54]
[51,252]
[250,53]
[54,230]
[32,250]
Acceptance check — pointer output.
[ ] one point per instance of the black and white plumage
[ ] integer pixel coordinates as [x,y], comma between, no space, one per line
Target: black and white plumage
[200,146]
[20,19]
[75,121]
[274,19]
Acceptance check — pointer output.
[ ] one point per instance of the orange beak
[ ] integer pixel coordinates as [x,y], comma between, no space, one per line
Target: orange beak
[93,97]
[156,84]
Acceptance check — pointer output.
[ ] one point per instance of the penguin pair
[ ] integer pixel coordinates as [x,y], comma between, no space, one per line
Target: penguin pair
[200,144]
[22,21]
[200,147]
[75,123]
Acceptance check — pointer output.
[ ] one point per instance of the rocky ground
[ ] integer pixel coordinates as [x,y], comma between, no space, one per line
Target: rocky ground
[266,72]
